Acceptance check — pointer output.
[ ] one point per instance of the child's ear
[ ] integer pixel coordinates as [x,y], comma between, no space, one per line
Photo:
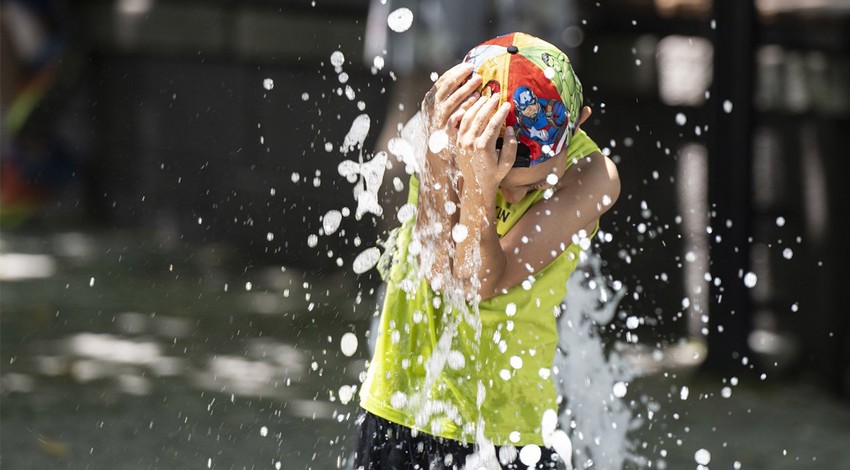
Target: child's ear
[584,115]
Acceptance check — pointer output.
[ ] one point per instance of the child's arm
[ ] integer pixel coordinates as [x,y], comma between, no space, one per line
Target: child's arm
[482,167]
[442,109]
[586,191]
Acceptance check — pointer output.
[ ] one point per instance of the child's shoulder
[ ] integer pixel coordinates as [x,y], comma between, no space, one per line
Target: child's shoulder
[581,145]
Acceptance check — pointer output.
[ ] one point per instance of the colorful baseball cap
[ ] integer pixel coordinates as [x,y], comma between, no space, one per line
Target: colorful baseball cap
[539,82]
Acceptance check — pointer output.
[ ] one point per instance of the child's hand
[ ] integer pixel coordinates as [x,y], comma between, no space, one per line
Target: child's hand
[444,105]
[481,164]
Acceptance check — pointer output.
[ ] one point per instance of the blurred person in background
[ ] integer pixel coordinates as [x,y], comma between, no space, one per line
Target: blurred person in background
[35,162]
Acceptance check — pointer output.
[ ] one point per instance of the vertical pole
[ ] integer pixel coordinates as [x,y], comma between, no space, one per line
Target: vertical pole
[729,188]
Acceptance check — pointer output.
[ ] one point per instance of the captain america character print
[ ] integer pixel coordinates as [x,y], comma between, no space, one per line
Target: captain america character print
[542,120]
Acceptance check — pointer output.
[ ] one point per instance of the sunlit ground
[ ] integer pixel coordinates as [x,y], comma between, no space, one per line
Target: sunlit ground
[121,352]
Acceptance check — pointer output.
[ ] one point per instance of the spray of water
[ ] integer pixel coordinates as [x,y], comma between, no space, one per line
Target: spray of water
[594,379]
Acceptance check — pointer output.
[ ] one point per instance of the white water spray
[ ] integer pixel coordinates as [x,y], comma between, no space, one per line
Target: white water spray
[366,175]
[593,380]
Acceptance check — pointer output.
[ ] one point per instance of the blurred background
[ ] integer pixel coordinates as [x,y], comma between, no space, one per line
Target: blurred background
[175,292]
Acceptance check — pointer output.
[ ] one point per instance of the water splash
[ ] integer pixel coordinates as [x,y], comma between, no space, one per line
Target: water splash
[400,20]
[594,381]
[366,175]
[366,260]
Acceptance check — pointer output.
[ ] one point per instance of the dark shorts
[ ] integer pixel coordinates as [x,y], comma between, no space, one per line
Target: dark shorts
[383,445]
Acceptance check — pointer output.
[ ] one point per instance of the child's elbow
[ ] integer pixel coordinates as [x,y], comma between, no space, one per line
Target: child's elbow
[614,179]
[609,182]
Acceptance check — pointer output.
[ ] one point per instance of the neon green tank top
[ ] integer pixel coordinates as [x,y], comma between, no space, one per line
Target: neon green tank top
[497,381]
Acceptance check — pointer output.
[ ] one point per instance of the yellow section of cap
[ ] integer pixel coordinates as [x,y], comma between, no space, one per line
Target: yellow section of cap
[495,69]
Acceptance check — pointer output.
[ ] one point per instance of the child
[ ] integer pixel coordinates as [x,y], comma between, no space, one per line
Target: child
[508,189]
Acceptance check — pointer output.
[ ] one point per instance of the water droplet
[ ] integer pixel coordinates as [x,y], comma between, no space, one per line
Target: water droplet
[549,422]
[400,20]
[684,392]
[620,389]
[438,141]
[337,59]
[398,400]
[366,260]
[632,322]
[681,119]
[348,344]
[268,83]
[312,240]
[264,431]
[780,221]
[787,253]
[331,221]
[378,62]
[727,106]
[510,309]
[269,236]
[552,179]
[305,96]
[750,280]
[346,393]
[357,133]
[450,207]
[455,360]
[726,392]
[516,362]
[702,457]
[530,455]
[406,212]
[459,233]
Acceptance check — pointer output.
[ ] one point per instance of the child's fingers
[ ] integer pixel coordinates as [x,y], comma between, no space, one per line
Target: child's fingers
[454,120]
[445,84]
[488,122]
[458,97]
[457,100]
[451,80]
[491,131]
[507,156]
[469,116]
[477,123]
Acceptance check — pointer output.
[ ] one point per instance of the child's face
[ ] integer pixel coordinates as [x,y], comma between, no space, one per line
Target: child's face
[519,181]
